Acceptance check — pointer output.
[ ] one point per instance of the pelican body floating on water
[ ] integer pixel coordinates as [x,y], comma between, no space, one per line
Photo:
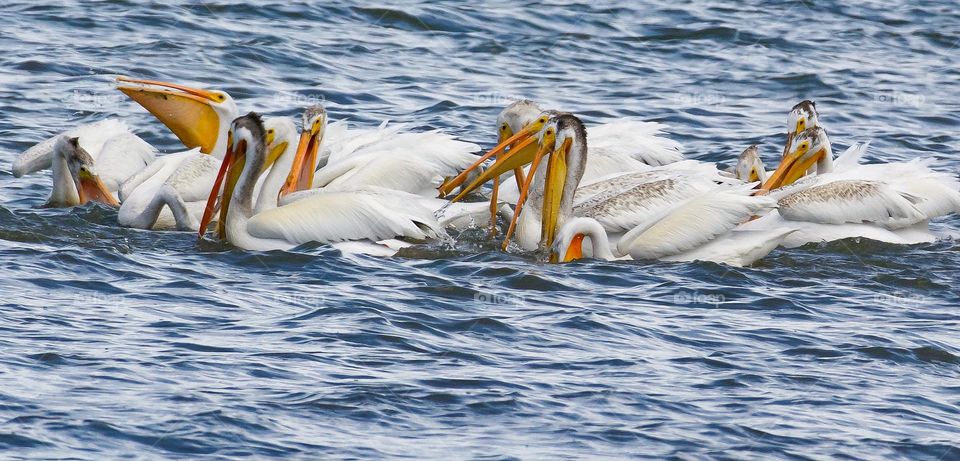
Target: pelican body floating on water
[632,196]
[315,215]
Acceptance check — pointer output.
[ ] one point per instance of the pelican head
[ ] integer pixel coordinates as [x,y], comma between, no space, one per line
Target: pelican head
[280,134]
[808,148]
[564,139]
[750,167]
[199,117]
[512,152]
[247,157]
[568,245]
[515,117]
[314,124]
[801,117]
[86,185]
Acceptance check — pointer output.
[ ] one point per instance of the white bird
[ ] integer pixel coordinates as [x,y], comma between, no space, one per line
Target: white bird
[888,202]
[76,181]
[117,152]
[170,192]
[749,167]
[317,215]
[668,214]
[620,146]
[619,201]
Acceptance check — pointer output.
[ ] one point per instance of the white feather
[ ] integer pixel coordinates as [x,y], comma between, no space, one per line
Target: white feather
[336,216]
[693,223]
[633,138]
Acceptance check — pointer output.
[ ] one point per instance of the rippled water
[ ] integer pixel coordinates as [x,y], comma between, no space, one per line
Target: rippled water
[116,342]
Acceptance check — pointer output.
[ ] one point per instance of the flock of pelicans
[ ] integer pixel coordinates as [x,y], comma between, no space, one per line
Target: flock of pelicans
[270,186]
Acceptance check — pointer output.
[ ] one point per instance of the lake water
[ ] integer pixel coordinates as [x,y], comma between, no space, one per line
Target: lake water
[123,343]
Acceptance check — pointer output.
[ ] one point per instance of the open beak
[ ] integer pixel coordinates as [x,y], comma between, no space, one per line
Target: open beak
[304,164]
[575,250]
[188,112]
[230,170]
[521,153]
[91,189]
[792,168]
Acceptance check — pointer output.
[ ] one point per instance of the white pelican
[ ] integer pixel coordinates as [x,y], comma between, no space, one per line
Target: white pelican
[888,202]
[75,178]
[749,166]
[622,145]
[170,192]
[317,215]
[802,116]
[668,217]
[620,201]
[117,152]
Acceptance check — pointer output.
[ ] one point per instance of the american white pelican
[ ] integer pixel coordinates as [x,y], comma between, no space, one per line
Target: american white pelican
[666,216]
[619,201]
[888,202]
[117,153]
[749,166]
[802,116]
[617,147]
[170,192]
[75,178]
[318,215]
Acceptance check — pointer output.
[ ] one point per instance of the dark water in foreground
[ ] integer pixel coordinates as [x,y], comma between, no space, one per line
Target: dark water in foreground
[115,342]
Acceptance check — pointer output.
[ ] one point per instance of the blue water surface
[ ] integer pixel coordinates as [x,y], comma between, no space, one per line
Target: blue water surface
[118,343]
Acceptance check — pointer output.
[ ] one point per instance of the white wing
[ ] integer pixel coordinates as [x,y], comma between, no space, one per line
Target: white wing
[693,223]
[409,162]
[626,201]
[850,158]
[737,248]
[934,193]
[340,142]
[809,232]
[336,216]
[636,139]
[850,201]
[121,157]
